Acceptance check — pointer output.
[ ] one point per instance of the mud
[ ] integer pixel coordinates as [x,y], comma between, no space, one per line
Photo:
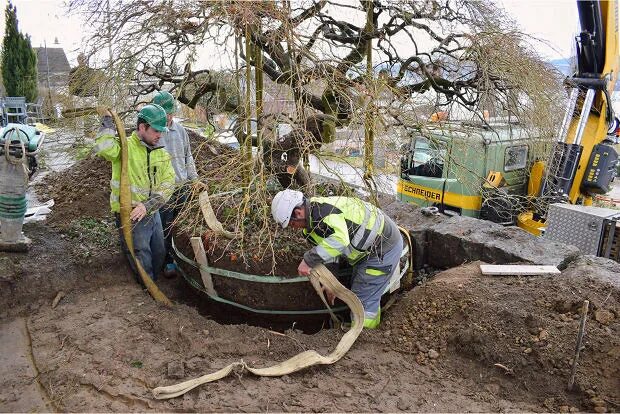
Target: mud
[80,191]
[107,344]
[458,342]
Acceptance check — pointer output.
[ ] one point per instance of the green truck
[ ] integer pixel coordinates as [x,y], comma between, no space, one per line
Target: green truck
[470,169]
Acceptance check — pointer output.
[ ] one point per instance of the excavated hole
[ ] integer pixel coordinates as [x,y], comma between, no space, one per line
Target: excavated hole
[226,314]
[183,292]
[425,269]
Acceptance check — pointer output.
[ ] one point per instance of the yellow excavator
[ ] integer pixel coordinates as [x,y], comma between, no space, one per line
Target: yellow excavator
[584,160]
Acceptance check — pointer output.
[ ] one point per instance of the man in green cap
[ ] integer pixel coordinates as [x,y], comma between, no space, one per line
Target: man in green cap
[151,180]
[176,142]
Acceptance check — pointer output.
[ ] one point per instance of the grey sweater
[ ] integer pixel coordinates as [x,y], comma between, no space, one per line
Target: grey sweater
[176,142]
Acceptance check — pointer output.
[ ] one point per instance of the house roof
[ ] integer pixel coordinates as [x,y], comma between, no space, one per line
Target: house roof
[54,57]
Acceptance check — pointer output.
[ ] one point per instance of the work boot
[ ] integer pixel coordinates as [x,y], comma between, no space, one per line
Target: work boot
[374,322]
[369,323]
[170,271]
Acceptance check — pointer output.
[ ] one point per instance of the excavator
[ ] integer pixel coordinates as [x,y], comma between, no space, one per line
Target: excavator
[584,160]
[499,172]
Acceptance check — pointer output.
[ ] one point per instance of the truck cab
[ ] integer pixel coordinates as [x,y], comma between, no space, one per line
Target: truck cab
[449,164]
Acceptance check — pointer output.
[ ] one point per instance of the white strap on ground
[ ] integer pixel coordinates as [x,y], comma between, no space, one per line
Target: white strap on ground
[320,276]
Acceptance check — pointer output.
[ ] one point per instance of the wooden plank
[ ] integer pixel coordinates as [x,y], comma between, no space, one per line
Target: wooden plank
[201,258]
[518,270]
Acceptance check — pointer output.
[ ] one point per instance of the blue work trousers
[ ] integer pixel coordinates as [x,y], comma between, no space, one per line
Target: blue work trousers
[148,244]
[371,278]
[169,213]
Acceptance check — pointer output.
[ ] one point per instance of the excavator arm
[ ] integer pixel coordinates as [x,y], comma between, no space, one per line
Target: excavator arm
[582,163]
[598,63]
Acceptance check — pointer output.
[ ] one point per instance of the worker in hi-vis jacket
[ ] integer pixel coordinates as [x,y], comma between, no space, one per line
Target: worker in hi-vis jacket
[348,227]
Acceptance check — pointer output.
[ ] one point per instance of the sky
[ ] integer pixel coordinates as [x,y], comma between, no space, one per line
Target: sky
[555,21]
[45,21]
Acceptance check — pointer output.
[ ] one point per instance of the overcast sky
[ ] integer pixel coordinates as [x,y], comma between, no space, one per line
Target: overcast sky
[555,21]
[45,21]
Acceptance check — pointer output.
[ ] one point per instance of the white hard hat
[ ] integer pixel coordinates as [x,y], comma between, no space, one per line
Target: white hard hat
[283,205]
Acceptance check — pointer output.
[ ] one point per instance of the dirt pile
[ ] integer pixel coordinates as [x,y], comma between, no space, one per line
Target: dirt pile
[518,333]
[83,190]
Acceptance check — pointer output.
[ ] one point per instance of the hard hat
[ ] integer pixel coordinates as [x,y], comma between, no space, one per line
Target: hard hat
[155,116]
[283,205]
[166,101]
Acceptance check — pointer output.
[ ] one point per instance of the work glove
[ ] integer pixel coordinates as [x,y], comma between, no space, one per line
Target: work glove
[107,122]
[106,117]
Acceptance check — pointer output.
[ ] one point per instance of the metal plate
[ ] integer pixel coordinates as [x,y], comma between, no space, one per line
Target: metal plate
[581,226]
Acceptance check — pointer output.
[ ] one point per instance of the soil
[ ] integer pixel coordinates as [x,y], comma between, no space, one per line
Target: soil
[79,334]
[83,188]
[519,333]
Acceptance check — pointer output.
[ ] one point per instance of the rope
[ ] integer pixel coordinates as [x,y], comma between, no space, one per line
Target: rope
[319,277]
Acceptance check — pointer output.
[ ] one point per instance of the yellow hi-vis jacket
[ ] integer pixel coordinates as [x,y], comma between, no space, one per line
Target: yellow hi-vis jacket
[341,226]
[151,176]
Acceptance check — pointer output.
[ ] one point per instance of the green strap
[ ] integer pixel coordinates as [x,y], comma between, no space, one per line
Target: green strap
[238,275]
[219,299]
[253,278]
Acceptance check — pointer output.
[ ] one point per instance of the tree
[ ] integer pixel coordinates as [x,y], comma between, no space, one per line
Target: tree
[375,65]
[318,48]
[19,61]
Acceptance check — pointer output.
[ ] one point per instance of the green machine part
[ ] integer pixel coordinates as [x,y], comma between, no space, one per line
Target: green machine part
[30,136]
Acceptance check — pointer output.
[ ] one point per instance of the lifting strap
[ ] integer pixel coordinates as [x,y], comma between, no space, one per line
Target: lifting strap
[320,276]
[209,216]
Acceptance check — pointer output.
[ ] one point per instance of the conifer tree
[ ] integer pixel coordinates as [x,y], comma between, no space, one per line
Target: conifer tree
[19,61]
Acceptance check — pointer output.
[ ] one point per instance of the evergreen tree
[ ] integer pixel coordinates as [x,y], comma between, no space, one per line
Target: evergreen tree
[19,61]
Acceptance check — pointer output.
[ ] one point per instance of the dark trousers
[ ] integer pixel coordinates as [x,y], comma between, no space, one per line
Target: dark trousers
[148,244]
[169,213]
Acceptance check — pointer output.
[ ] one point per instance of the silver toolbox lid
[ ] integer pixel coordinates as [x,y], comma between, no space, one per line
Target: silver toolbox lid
[581,226]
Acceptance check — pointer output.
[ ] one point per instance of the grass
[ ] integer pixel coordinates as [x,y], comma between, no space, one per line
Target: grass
[93,233]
